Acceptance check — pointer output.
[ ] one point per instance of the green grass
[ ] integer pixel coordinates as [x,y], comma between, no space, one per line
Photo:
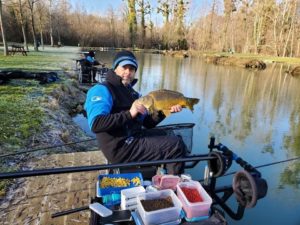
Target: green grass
[47,59]
[21,113]
[20,100]
[287,60]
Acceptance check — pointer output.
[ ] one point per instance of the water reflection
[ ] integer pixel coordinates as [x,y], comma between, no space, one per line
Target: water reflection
[256,113]
[82,122]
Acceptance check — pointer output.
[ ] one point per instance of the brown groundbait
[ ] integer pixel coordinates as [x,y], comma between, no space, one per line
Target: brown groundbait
[156,204]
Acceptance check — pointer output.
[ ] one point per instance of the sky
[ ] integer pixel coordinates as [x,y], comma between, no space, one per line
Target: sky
[196,7]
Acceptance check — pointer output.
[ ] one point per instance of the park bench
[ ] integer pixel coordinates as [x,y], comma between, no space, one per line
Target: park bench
[17,49]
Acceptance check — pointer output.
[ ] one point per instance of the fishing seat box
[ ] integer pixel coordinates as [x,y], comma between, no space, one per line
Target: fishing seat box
[166,215]
[196,209]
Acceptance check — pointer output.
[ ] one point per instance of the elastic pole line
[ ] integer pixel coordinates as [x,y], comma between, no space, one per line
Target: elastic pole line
[282,161]
[268,164]
[45,148]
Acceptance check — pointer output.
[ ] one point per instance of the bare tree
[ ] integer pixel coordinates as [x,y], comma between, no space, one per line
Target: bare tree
[41,15]
[250,26]
[165,9]
[284,27]
[132,22]
[264,11]
[3,31]
[245,14]
[50,23]
[210,32]
[180,10]
[33,29]
[19,12]
[112,26]
[229,7]
[144,10]
[291,22]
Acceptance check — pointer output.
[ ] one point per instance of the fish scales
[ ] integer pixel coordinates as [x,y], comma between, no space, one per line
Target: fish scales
[163,100]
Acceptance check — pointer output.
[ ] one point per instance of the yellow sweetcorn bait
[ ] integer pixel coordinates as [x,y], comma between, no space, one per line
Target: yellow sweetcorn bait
[136,181]
[114,182]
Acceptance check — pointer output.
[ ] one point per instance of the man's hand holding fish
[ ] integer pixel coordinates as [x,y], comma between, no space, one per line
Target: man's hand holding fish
[137,108]
[175,108]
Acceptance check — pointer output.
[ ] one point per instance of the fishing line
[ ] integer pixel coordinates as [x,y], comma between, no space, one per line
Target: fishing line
[267,164]
[46,148]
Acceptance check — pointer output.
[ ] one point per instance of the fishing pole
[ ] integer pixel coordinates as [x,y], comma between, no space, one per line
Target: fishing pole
[46,148]
[61,170]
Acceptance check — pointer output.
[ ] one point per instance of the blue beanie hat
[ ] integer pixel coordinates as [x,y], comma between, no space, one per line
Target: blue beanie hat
[123,58]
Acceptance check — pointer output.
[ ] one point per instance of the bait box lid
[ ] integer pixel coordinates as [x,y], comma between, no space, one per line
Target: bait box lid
[169,182]
[166,181]
[128,197]
[160,216]
[130,193]
[130,205]
[105,189]
[194,209]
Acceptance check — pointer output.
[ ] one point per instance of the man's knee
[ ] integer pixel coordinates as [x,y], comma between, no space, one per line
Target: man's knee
[181,146]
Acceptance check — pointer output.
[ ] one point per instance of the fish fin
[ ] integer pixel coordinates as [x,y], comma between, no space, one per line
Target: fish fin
[191,102]
[166,112]
[151,110]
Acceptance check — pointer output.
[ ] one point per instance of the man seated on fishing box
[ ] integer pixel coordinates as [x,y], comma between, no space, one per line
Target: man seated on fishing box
[117,120]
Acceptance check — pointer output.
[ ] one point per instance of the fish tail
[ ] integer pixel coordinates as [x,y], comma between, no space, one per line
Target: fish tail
[191,102]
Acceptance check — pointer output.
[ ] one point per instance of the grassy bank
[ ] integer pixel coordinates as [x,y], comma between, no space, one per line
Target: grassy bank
[47,59]
[22,102]
[265,58]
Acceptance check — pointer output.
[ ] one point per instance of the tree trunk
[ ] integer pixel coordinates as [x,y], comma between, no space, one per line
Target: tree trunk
[50,24]
[209,41]
[23,26]
[229,7]
[225,42]
[142,10]
[42,39]
[5,48]
[281,26]
[164,8]
[35,42]
[298,49]
[132,23]
[293,7]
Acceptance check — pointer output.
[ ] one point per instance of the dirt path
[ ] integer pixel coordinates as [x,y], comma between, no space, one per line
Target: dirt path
[36,198]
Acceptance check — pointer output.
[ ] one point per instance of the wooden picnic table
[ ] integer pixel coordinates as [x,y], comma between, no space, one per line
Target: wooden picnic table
[17,49]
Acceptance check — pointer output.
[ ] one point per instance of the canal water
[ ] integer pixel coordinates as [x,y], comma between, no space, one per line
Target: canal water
[254,113]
